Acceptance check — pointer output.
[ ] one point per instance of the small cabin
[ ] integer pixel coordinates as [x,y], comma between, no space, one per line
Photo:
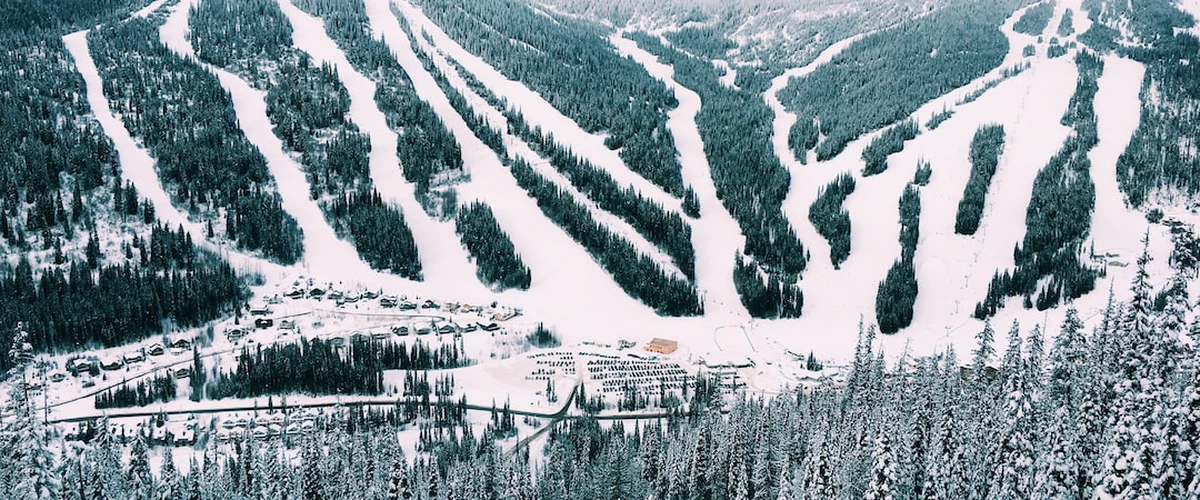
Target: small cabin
[156,349]
[264,323]
[184,344]
[662,346]
[110,364]
[388,302]
[259,310]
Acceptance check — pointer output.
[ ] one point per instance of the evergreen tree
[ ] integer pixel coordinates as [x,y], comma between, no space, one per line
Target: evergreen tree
[883,471]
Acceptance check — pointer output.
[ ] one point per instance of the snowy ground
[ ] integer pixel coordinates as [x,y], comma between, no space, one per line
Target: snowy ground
[716,236]
[582,303]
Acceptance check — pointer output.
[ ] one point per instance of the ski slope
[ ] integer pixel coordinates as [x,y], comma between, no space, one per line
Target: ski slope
[138,167]
[324,253]
[716,236]
[537,111]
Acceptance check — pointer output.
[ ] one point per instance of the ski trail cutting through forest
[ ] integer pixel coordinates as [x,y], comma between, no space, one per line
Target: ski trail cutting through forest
[444,262]
[781,127]
[1118,113]
[149,9]
[716,237]
[138,167]
[537,111]
[324,253]
[567,284]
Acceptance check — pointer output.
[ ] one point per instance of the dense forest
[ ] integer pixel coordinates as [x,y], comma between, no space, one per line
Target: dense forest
[1059,215]
[429,155]
[634,272]
[498,264]
[1108,413]
[187,122]
[84,304]
[308,106]
[549,54]
[1162,155]
[832,220]
[890,142]
[986,147]
[898,291]
[736,128]
[1035,19]
[910,65]
[666,230]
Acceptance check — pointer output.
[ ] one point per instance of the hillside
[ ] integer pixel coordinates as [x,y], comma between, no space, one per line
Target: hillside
[648,208]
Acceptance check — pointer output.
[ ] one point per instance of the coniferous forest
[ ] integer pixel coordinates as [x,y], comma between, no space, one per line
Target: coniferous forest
[187,122]
[964,40]
[1107,413]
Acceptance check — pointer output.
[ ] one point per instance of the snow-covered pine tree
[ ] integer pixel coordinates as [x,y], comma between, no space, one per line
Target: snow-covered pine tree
[141,482]
[883,471]
[984,350]
[1013,476]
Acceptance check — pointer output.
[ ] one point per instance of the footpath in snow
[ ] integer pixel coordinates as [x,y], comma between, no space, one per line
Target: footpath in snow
[537,111]
[138,167]
[716,236]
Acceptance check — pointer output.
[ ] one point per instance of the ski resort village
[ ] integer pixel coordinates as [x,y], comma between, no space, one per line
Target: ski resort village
[573,249]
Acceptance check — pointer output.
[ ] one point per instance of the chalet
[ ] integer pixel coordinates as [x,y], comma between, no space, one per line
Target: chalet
[88,382]
[294,293]
[446,329]
[349,299]
[336,295]
[424,330]
[369,295]
[337,341]
[489,327]
[505,315]
[183,436]
[156,349]
[470,327]
[405,305]
[379,335]
[662,346]
[469,308]
[235,334]
[134,356]
[183,372]
[259,310]
[430,304]
[81,366]
[359,337]
[184,344]
[274,299]
[286,326]
[264,323]
[400,331]
[388,301]
[316,293]
[57,376]
[110,364]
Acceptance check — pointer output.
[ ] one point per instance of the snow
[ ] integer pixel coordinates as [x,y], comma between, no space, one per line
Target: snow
[1191,7]
[782,125]
[729,77]
[137,166]
[1114,227]
[149,9]
[566,283]
[716,236]
[536,110]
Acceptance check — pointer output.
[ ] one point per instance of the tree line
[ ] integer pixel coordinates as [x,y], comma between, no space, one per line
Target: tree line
[186,120]
[736,128]
[548,53]
[831,219]
[909,65]
[986,147]
[1059,215]
[890,142]
[497,262]
[898,291]
[1109,411]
